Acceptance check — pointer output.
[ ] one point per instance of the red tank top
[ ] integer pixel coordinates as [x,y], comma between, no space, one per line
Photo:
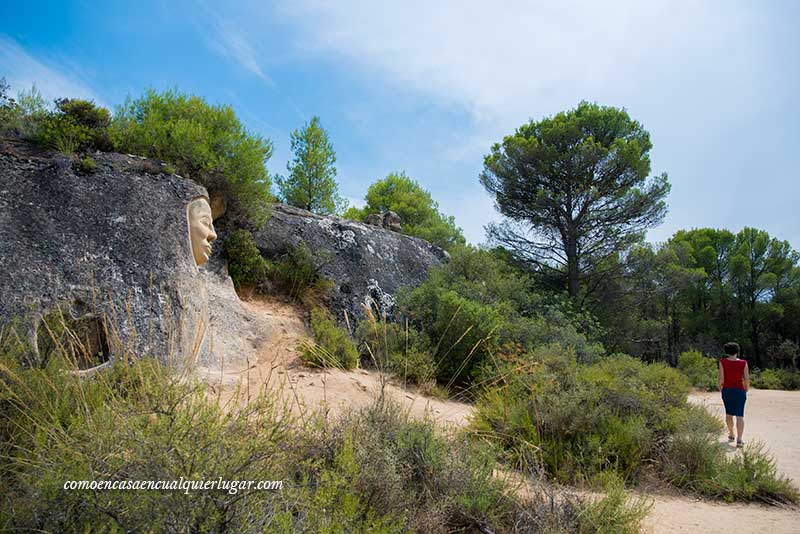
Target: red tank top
[734,372]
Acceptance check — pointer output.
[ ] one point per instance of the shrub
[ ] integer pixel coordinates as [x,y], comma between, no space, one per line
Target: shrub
[88,164]
[700,370]
[477,302]
[578,421]
[205,142]
[399,350]
[246,266]
[75,125]
[332,345]
[619,415]
[373,470]
[296,275]
[616,513]
[784,379]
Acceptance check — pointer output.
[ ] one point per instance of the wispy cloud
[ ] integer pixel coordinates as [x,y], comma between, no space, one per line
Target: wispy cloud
[22,71]
[229,41]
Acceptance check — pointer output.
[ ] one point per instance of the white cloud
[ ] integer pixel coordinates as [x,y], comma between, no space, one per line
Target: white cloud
[505,61]
[230,41]
[691,72]
[22,71]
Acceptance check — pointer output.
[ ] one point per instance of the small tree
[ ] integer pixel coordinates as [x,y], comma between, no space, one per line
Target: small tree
[574,189]
[418,211]
[311,183]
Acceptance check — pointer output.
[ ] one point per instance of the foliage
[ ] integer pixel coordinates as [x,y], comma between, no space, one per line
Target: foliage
[88,164]
[24,114]
[296,275]
[418,211]
[785,379]
[475,303]
[75,125]
[293,274]
[205,142]
[374,470]
[700,289]
[697,462]
[399,350]
[332,345]
[578,421]
[246,266]
[615,513]
[574,190]
[701,371]
[618,415]
[311,184]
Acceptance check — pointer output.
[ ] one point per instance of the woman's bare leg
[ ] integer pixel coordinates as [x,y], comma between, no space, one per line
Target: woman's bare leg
[739,427]
[729,422]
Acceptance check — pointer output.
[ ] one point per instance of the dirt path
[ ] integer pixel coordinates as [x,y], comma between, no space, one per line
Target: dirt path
[278,367]
[772,417]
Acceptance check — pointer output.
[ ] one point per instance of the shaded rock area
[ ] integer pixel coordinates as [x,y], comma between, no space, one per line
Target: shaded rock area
[367,264]
[109,246]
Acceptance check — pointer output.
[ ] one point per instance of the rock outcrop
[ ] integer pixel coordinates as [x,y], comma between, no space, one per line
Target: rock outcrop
[110,248]
[367,264]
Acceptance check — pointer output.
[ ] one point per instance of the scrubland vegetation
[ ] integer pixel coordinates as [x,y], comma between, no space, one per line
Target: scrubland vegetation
[577,343]
[373,470]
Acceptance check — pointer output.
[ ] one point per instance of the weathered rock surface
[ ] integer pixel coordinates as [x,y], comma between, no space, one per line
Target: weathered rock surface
[111,245]
[367,264]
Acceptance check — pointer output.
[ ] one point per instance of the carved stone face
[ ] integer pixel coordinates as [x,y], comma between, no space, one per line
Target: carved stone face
[201,230]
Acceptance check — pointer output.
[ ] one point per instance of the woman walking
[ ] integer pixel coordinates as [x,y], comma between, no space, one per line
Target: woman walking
[734,381]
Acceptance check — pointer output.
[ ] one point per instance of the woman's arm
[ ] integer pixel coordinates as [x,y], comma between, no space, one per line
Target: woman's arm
[746,377]
[721,374]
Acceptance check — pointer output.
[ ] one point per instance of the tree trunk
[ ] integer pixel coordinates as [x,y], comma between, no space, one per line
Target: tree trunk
[573,274]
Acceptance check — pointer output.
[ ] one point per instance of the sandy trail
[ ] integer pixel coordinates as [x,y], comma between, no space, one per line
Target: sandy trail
[772,417]
[278,368]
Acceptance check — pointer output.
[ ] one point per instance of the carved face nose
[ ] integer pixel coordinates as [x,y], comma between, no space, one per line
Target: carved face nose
[212,235]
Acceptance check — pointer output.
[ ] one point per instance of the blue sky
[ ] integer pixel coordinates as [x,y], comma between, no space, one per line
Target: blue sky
[427,87]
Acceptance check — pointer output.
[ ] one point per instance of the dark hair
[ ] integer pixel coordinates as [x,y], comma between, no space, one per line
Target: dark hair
[731,348]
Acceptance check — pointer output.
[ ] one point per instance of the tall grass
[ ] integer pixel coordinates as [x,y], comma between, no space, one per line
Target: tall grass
[371,470]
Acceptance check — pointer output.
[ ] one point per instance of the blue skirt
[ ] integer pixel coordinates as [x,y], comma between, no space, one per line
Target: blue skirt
[734,399]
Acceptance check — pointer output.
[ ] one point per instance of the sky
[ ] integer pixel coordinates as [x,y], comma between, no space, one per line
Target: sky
[427,87]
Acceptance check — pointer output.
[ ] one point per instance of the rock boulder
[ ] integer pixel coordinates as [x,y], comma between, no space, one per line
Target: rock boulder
[367,264]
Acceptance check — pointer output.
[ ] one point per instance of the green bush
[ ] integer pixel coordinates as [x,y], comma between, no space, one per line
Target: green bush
[296,275]
[701,371]
[374,470]
[578,421]
[205,142]
[477,302]
[619,415]
[88,164]
[246,266]
[784,379]
[74,126]
[332,345]
[616,513]
[399,350]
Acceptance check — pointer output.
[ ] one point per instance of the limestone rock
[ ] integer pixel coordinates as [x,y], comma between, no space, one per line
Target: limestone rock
[391,221]
[110,246]
[367,264]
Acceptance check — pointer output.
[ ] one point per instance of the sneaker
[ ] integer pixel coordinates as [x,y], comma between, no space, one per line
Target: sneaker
[739,444]
[731,438]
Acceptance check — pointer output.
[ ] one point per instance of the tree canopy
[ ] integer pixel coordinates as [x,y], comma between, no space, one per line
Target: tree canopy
[205,142]
[418,211]
[574,190]
[311,183]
